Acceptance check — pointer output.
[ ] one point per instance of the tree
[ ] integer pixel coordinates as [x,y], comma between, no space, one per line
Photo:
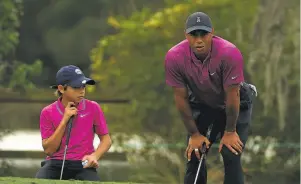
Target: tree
[63,32]
[14,74]
[274,66]
[275,45]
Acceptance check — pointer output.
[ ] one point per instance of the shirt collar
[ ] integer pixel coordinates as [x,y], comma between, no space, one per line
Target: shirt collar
[60,107]
[195,59]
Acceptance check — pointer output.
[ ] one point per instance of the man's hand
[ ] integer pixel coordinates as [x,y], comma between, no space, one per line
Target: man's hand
[232,141]
[195,143]
[92,161]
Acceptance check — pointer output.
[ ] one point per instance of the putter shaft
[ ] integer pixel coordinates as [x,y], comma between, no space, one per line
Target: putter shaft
[62,170]
[66,147]
[199,167]
[203,152]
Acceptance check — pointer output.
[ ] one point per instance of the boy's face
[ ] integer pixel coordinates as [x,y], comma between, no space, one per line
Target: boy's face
[72,94]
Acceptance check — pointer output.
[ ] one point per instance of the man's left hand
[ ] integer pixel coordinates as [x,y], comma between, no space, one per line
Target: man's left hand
[92,161]
[232,141]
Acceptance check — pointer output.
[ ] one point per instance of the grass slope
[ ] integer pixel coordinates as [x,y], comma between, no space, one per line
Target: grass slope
[16,180]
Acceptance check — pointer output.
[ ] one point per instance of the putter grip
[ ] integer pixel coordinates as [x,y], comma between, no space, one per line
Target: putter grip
[203,150]
[69,129]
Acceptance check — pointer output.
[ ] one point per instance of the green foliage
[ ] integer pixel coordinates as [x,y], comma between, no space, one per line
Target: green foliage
[23,74]
[130,63]
[16,180]
[11,11]
[274,44]
[64,32]
[9,23]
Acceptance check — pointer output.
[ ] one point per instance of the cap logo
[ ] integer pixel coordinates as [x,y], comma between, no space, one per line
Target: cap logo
[198,19]
[78,71]
[84,82]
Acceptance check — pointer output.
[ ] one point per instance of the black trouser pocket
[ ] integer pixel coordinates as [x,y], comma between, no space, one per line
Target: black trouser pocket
[247,95]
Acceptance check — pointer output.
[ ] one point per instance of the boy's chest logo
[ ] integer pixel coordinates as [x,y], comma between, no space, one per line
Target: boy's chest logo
[83,115]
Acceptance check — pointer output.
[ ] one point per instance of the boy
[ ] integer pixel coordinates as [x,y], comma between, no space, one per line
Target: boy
[88,119]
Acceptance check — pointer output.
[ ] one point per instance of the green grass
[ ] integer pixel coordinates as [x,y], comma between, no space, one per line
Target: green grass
[16,180]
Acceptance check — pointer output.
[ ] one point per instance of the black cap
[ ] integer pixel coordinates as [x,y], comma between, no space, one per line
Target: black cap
[198,21]
[71,76]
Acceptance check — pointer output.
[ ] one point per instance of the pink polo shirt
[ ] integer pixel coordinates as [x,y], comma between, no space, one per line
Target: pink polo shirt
[89,120]
[207,80]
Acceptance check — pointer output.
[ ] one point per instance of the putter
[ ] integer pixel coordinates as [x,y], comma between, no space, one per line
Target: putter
[203,152]
[67,142]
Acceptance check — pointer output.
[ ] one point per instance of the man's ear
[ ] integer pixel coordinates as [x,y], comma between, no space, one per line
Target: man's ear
[212,32]
[186,35]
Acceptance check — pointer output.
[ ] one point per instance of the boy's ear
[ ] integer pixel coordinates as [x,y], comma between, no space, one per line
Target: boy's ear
[60,88]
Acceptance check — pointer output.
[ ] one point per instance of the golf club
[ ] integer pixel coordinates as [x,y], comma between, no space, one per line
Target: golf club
[67,142]
[203,152]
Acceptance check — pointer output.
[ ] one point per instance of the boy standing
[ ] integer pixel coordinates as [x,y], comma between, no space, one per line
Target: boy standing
[88,120]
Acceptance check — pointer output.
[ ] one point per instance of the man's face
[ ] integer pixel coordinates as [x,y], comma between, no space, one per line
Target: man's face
[73,94]
[199,41]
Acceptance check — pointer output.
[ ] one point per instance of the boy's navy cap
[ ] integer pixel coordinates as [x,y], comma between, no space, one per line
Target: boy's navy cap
[72,76]
[198,21]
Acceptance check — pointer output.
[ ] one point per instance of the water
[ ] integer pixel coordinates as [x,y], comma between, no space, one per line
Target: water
[31,141]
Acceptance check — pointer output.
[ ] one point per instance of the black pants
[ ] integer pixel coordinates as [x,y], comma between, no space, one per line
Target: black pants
[51,169]
[205,116]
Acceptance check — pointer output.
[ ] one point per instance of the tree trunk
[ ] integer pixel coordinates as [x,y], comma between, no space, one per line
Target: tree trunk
[267,65]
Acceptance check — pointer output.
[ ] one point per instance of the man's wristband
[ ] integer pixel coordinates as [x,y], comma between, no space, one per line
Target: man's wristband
[230,130]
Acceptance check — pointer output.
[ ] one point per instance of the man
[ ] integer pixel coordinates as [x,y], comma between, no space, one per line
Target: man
[206,74]
[88,120]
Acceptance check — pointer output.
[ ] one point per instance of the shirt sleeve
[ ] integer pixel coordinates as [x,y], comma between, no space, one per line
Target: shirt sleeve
[46,126]
[173,75]
[100,124]
[232,68]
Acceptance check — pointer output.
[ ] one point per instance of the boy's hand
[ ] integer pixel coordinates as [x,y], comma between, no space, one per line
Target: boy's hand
[70,110]
[91,161]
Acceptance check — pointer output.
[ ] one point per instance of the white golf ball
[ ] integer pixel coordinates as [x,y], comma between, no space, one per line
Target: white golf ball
[84,162]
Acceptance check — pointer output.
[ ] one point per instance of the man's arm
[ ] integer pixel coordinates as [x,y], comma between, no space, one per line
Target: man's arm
[233,76]
[232,107]
[104,146]
[181,100]
[175,79]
